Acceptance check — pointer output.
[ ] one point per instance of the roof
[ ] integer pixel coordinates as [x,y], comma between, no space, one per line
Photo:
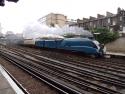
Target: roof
[77,39]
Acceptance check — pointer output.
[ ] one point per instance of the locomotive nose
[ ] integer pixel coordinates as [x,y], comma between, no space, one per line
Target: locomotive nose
[102,48]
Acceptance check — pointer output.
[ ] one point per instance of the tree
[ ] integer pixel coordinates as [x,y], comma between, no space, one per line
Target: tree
[105,35]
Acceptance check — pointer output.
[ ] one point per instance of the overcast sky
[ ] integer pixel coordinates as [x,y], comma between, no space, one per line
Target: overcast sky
[14,16]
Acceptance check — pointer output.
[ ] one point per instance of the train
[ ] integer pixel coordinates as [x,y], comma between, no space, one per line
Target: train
[82,45]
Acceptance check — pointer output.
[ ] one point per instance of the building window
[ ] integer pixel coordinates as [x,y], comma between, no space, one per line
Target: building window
[108,20]
[121,28]
[114,23]
[120,18]
[90,23]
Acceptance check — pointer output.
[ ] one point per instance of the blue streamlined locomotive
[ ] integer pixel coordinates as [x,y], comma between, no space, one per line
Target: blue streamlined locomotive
[84,45]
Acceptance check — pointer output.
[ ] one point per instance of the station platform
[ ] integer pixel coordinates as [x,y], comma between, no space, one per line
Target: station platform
[114,54]
[7,85]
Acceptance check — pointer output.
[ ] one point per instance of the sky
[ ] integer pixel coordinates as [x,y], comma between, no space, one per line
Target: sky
[15,16]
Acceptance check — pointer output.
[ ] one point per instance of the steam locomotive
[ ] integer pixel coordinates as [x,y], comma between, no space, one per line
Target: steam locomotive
[82,45]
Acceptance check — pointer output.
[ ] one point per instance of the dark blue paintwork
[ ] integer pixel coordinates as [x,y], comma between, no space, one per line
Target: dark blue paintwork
[50,44]
[79,45]
[40,43]
[84,45]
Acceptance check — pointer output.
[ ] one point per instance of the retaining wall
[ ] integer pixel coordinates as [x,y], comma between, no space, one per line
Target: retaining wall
[117,45]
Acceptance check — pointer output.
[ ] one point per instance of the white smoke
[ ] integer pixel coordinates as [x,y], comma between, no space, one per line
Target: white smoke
[36,30]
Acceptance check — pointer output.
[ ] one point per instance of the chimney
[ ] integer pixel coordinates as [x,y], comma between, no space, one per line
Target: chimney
[118,10]
[100,16]
[92,18]
[79,21]
[109,14]
[85,19]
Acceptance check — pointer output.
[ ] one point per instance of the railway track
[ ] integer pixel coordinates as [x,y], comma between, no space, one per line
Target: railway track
[64,54]
[106,63]
[79,77]
[100,65]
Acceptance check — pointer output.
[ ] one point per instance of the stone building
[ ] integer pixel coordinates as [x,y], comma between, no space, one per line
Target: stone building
[114,22]
[54,19]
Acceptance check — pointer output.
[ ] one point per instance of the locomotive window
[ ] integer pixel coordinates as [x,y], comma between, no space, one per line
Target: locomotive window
[94,46]
[90,44]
